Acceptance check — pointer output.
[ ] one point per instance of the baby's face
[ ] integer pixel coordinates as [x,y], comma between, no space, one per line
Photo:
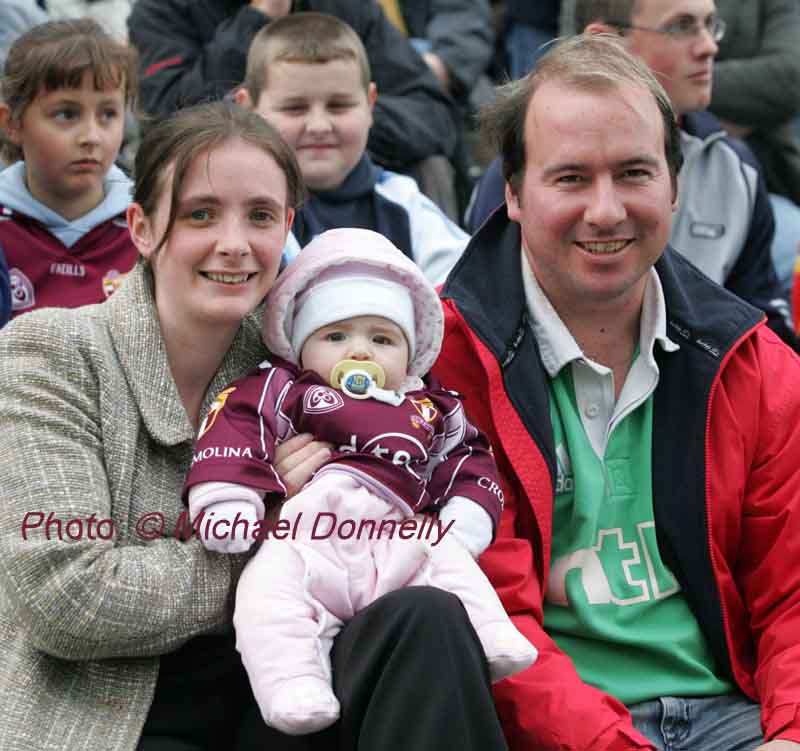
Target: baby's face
[360,338]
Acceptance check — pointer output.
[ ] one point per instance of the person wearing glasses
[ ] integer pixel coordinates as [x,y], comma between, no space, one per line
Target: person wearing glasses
[764,79]
[645,421]
[724,223]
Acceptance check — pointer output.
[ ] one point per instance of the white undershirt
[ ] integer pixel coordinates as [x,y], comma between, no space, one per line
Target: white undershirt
[593,382]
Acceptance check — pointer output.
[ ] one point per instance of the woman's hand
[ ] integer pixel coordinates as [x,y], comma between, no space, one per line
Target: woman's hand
[297,459]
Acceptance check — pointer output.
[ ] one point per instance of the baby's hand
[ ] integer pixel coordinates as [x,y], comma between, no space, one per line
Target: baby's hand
[229,526]
[468,523]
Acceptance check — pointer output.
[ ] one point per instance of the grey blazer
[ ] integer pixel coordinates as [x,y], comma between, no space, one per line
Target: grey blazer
[91,424]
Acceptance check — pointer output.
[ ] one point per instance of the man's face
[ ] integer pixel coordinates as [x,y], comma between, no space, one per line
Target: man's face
[595,201]
[683,65]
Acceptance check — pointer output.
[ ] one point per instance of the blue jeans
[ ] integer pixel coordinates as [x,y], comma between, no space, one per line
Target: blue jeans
[718,723]
[524,46]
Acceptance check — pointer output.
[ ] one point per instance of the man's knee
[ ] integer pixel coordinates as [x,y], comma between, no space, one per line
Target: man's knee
[419,609]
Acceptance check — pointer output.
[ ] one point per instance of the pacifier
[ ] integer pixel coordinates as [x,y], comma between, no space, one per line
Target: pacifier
[362,379]
[356,377]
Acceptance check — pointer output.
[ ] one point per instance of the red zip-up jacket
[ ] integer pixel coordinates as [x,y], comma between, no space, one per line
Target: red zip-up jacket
[726,488]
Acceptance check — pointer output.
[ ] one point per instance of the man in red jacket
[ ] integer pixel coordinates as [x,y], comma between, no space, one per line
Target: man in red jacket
[647,425]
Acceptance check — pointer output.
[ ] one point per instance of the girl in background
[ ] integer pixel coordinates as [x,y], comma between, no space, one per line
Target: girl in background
[65,89]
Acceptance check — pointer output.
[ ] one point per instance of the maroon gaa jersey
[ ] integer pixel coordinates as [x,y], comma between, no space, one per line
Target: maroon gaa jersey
[46,273]
[416,455]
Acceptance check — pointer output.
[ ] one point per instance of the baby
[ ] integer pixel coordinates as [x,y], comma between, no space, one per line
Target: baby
[356,325]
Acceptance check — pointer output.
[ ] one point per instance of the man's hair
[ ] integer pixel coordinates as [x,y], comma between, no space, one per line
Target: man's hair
[586,62]
[56,55]
[609,11]
[315,38]
[178,139]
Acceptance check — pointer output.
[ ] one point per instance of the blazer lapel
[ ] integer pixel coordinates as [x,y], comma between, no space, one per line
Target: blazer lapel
[137,339]
[136,335]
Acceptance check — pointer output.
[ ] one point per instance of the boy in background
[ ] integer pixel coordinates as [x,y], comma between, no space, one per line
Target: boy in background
[308,75]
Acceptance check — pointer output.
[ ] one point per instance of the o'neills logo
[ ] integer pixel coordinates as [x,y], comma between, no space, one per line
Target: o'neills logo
[68,269]
[319,399]
[215,409]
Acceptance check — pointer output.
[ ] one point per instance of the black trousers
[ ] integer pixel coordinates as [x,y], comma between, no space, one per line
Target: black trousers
[409,672]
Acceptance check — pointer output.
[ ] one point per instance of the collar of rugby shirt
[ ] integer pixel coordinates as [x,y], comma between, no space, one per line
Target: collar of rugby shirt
[557,345]
[600,411]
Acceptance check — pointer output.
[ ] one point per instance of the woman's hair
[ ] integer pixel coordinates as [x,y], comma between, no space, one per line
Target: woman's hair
[178,139]
[56,55]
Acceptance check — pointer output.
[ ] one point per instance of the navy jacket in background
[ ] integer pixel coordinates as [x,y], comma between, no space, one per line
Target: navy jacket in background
[541,14]
[5,292]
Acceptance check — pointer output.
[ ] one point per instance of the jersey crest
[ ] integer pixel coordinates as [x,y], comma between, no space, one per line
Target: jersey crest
[112,281]
[214,410]
[22,293]
[425,408]
[321,399]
